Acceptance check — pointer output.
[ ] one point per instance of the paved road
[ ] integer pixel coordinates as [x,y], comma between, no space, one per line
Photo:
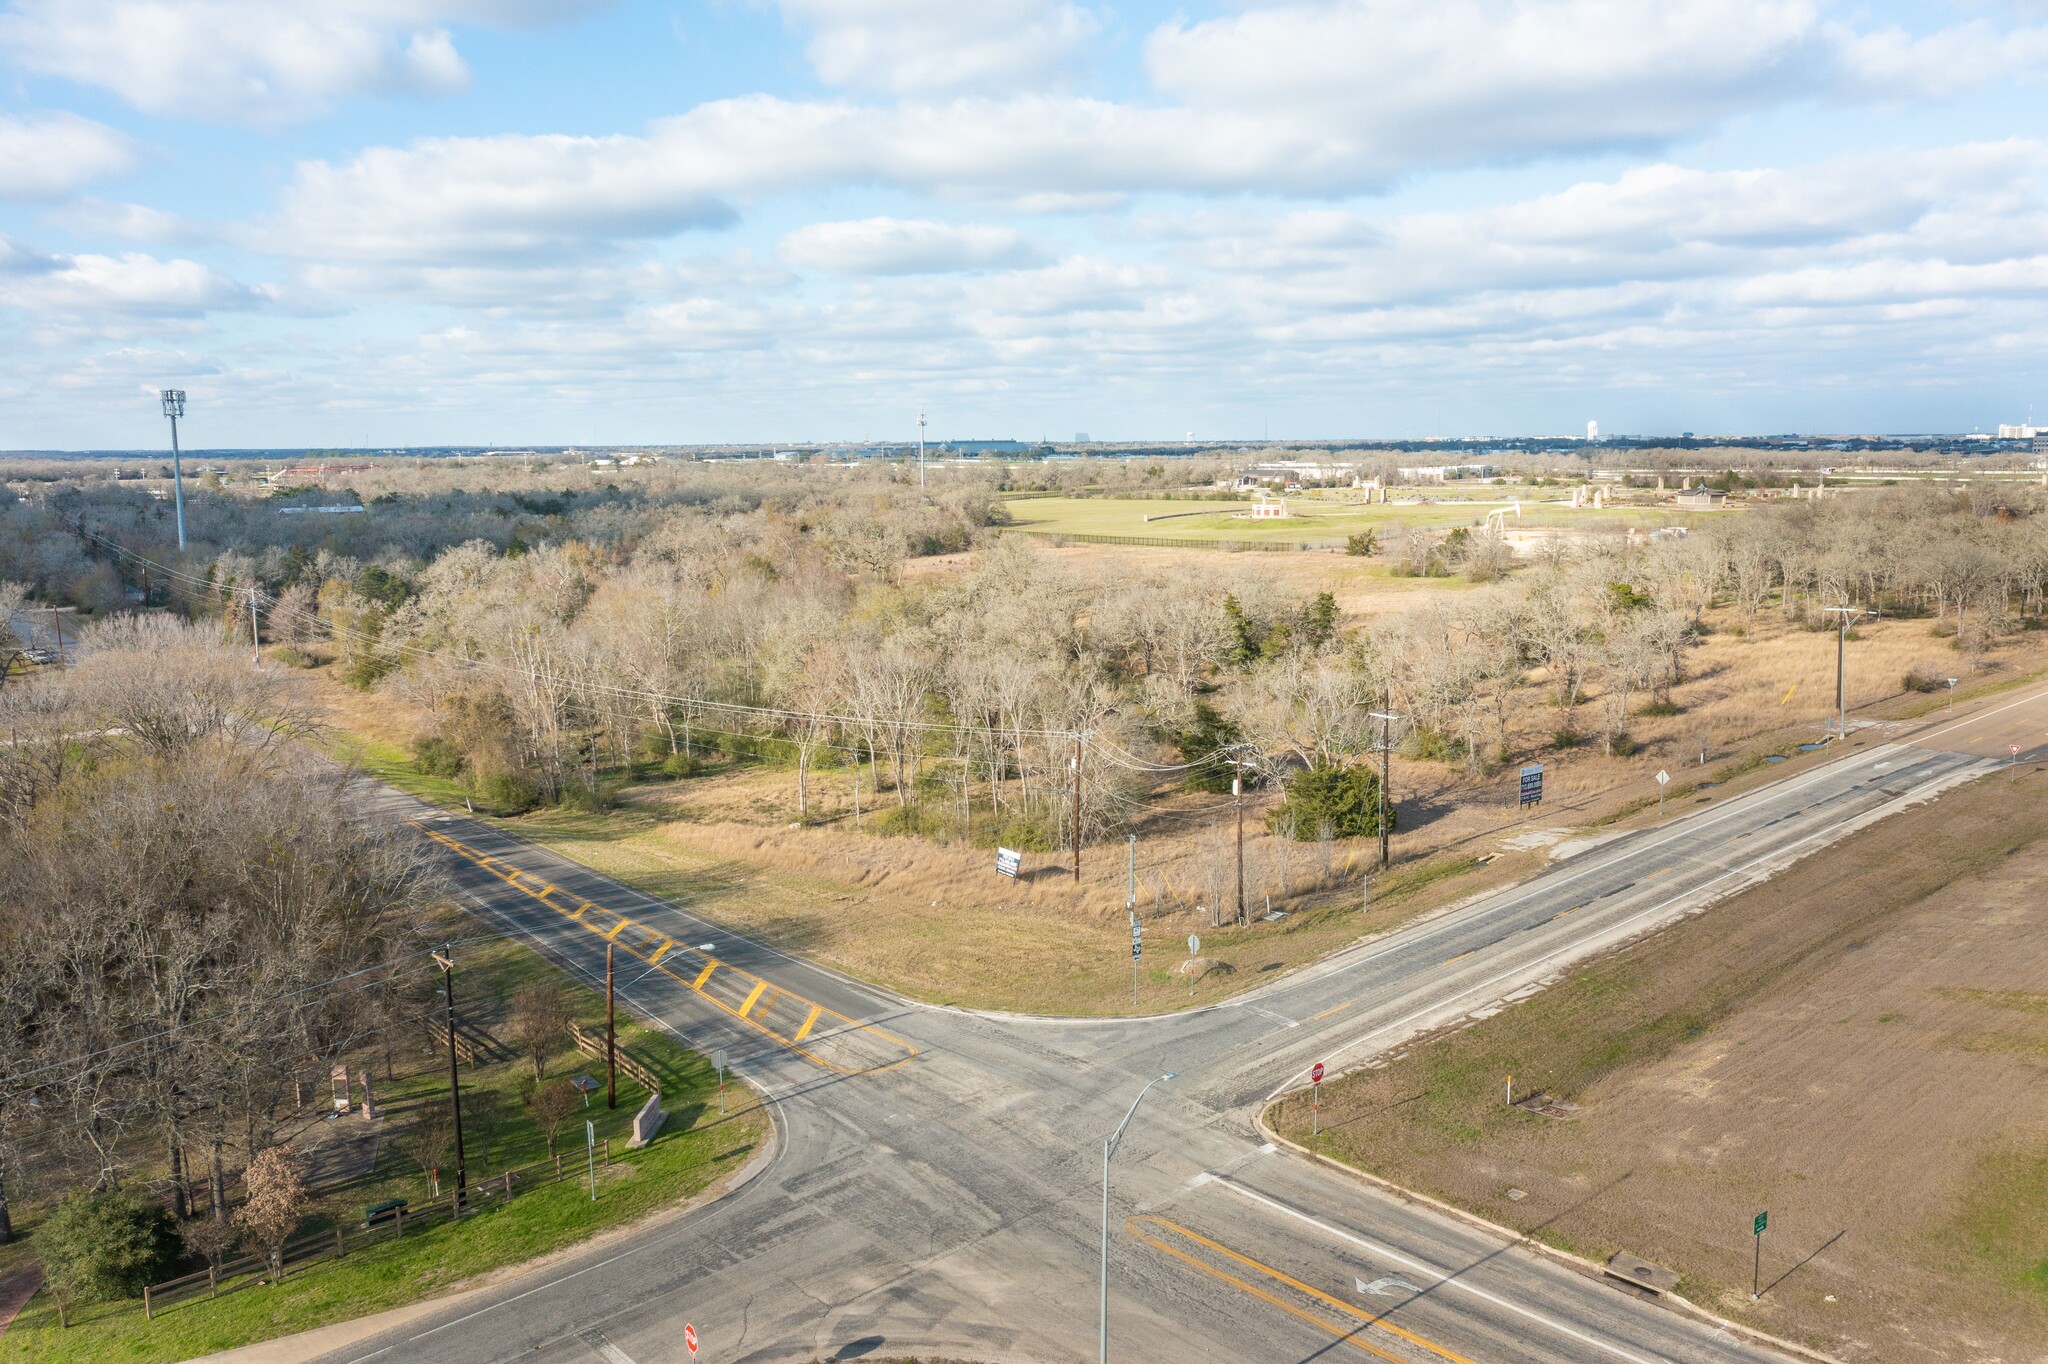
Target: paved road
[951,1203]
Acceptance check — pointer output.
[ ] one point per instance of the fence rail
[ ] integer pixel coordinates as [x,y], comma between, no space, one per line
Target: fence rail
[1185,542]
[592,1045]
[339,1242]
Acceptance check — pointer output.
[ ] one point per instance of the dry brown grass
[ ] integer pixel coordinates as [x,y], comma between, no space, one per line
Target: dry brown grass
[1859,1047]
[934,921]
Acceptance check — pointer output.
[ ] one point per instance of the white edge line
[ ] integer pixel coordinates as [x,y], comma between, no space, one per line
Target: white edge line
[1616,927]
[1449,1280]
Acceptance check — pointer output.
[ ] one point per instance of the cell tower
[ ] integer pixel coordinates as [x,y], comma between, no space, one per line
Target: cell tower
[174,408]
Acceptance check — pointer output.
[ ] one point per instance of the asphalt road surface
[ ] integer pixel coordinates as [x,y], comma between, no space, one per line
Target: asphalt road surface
[936,1182]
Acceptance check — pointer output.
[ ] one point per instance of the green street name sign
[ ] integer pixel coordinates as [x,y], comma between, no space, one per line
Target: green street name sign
[1763,1219]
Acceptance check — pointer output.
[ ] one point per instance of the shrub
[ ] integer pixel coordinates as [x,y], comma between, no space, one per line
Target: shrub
[1019,832]
[587,800]
[437,757]
[1923,682]
[1364,544]
[293,657]
[1210,733]
[1347,799]
[508,793]
[1565,738]
[1662,708]
[97,1247]
[1433,745]
[682,765]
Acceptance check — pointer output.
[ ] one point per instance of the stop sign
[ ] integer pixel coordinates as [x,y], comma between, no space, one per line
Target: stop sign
[1315,1075]
[690,1338]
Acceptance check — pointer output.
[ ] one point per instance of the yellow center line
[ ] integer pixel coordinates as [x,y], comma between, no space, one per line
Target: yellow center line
[1562,912]
[1336,1009]
[1460,957]
[520,880]
[1349,1334]
[1655,874]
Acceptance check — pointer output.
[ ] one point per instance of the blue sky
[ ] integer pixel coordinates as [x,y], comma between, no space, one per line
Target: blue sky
[428,221]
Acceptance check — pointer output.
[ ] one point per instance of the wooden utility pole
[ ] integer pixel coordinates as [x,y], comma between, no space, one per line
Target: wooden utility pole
[445,958]
[1077,809]
[611,1045]
[1237,800]
[255,641]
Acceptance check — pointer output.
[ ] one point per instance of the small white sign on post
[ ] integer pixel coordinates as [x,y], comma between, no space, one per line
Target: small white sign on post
[1662,777]
[1008,862]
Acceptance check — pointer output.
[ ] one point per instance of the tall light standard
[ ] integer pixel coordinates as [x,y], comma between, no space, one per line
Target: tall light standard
[1386,719]
[174,408]
[920,450]
[1846,615]
[1108,1150]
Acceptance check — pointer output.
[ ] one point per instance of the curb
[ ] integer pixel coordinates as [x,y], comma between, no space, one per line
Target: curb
[1513,1237]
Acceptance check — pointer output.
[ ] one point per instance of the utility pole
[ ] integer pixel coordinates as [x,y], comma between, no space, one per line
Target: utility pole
[611,1043]
[1845,614]
[1237,804]
[255,640]
[1077,808]
[1131,885]
[445,958]
[174,408]
[920,450]
[56,624]
[1386,719]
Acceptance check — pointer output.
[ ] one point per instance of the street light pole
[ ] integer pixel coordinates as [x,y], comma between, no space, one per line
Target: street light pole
[174,408]
[1237,800]
[1108,1150]
[1846,615]
[445,959]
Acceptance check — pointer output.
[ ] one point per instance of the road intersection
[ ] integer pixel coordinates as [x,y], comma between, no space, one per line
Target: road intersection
[935,1184]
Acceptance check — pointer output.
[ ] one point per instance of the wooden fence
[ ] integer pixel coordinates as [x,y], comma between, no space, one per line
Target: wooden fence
[313,1247]
[1186,542]
[592,1045]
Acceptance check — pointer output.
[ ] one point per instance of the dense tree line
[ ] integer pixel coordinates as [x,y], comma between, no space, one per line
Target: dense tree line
[192,917]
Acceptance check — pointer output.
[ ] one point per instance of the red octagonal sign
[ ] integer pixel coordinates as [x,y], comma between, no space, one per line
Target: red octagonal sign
[1315,1076]
[690,1338]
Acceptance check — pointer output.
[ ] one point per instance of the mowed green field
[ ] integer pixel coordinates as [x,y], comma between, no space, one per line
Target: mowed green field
[1308,519]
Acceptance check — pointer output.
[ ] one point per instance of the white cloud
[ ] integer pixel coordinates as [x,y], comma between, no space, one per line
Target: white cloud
[1402,83]
[913,47]
[49,156]
[897,246]
[93,289]
[254,61]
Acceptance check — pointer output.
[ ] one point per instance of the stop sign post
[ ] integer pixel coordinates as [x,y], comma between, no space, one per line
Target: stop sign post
[1315,1080]
[690,1338]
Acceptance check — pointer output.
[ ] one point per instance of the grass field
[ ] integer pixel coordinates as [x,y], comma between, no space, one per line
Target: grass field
[696,1149]
[1859,1047]
[1325,517]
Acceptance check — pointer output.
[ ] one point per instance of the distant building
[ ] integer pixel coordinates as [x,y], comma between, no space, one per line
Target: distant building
[1081,438]
[1269,509]
[1701,497]
[1592,430]
[1444,473]
[2020,432]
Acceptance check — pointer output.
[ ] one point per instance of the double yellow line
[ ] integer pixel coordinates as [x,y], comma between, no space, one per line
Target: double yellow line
[843,1044]
[1352,1322]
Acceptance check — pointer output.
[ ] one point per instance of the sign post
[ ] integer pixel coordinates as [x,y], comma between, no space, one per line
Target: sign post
[1756,1273]
[690,1338]
[1663,780]
[1315,1084]
[1137,951]
[1511,1091]
[1008,862]
[590,1153]
[1532,784]
[718,1060]
[1194,952]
